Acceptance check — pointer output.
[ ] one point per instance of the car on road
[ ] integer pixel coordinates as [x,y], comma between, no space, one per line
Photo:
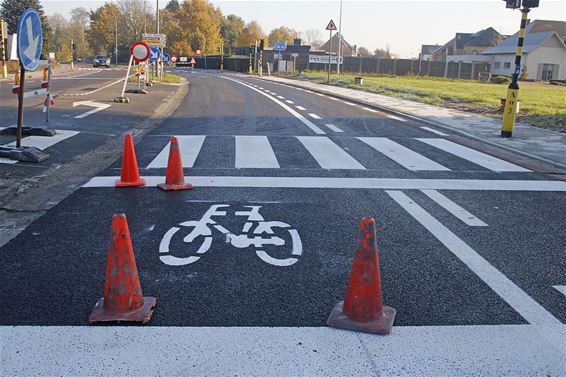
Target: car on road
[101,60]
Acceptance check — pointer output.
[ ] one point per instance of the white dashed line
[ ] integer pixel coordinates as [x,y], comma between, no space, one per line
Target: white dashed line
[434,131]
[333,128]
[314,116]
[370,110]
[289,101]
[280,97]
[300,108]
[396,118]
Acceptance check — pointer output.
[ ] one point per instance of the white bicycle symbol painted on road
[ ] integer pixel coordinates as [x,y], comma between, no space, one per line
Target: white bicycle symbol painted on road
[204,226]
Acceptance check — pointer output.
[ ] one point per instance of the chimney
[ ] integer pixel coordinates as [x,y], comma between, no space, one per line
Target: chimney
[297,41]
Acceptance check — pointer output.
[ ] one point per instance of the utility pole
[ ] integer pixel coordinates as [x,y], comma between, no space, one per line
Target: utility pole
[339,40]
[221,57]
[72,54]
[511,101]
[116,41]
[250,71]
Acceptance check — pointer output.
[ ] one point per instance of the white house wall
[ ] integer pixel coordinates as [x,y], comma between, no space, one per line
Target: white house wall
[546,55]
[502,59]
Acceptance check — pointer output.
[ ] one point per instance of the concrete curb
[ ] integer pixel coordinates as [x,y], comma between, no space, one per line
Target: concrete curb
[445,127]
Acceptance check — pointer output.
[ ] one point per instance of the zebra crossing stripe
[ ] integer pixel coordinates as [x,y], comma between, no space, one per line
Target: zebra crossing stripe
[328,154]
[44,142]
[402,155]
[479,158]
[255,152]
[189,145]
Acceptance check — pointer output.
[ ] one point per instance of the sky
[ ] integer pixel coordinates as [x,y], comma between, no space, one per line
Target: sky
[403,25]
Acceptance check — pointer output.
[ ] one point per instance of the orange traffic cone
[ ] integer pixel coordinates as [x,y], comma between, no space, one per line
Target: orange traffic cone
[16,86]
[123,299]
[130,173]
[175,180]
[362,309]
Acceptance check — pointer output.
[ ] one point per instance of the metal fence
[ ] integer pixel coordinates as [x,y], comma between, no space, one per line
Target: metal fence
[360,65]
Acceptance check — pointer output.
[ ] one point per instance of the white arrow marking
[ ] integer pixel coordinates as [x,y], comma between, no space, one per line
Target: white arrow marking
[98,107]
[32,42]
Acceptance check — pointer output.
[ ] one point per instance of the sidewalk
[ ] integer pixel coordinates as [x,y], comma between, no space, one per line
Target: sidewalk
[544,145]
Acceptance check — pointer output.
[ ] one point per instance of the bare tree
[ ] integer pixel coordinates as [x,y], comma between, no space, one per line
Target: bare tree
[312,36]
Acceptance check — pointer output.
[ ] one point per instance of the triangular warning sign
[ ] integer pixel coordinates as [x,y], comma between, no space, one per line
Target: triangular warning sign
[331,26]
[193,61]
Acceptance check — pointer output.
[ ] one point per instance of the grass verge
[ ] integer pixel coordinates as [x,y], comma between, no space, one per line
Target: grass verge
[168,78]
[542,105]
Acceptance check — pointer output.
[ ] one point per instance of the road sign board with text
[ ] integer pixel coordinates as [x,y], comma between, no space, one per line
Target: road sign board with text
[155,40]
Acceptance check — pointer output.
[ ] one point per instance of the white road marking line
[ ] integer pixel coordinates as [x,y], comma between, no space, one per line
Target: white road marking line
[333,127]
[396,118]
[44,142]
[354,183]
[479,158]
[304,120]
[334,98]
[328,154]
[523,304]
[560,288]
[314,116]
[8,161]
[97,107]
[457,211]
[300,108]
[484,350]
[402,155]
[434,131]
[350,103]
[370,110]
[260,88]
[289,101]
[320,95]
[280,97]
[189,146]
[255,152]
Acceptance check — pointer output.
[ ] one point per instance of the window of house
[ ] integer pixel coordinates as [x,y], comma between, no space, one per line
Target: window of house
[497,65]
[547,72]
[506,65]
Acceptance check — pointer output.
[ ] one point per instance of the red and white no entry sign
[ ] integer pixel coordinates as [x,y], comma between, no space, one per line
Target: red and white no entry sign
[198,52]
[139,51]
[173,59]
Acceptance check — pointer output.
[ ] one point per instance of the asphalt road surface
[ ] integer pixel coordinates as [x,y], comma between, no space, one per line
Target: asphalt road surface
[472,245]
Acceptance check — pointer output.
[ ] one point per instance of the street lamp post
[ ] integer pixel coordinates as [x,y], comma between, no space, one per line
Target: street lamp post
[116,40]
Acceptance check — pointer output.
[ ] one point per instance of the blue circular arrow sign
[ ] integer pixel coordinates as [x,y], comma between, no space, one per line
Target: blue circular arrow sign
[30,39]
[154,54]
[165,57]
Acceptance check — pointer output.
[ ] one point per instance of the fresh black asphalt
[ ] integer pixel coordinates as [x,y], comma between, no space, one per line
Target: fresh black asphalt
[53,272]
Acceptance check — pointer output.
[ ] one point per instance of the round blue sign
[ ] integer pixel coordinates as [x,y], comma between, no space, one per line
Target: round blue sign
[30,39]
[165,57]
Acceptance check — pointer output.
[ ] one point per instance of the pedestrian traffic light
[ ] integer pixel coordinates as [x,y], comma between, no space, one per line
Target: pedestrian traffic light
[530,3]
[513,4]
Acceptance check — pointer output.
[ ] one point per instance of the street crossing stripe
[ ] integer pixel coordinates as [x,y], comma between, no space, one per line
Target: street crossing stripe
[402,155]
[479,158]
[301,118]
[189,146]
[483,350]
[457,211]
[560,288]
[519,300]
[328,154]
[44,142]
[255,152]
[333,128]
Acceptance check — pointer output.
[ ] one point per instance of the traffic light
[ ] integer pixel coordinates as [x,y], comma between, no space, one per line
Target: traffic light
[530,3]
[513,4]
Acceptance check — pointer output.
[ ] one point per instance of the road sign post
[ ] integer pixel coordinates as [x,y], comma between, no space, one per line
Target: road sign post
[3,37]
[330,27]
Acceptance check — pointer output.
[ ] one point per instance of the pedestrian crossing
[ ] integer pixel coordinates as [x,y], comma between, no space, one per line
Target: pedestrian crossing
[40,142]
[263,152]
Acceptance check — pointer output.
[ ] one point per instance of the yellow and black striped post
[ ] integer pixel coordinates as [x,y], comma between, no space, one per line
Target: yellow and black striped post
[511,102]
[221,58]
[250,71]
